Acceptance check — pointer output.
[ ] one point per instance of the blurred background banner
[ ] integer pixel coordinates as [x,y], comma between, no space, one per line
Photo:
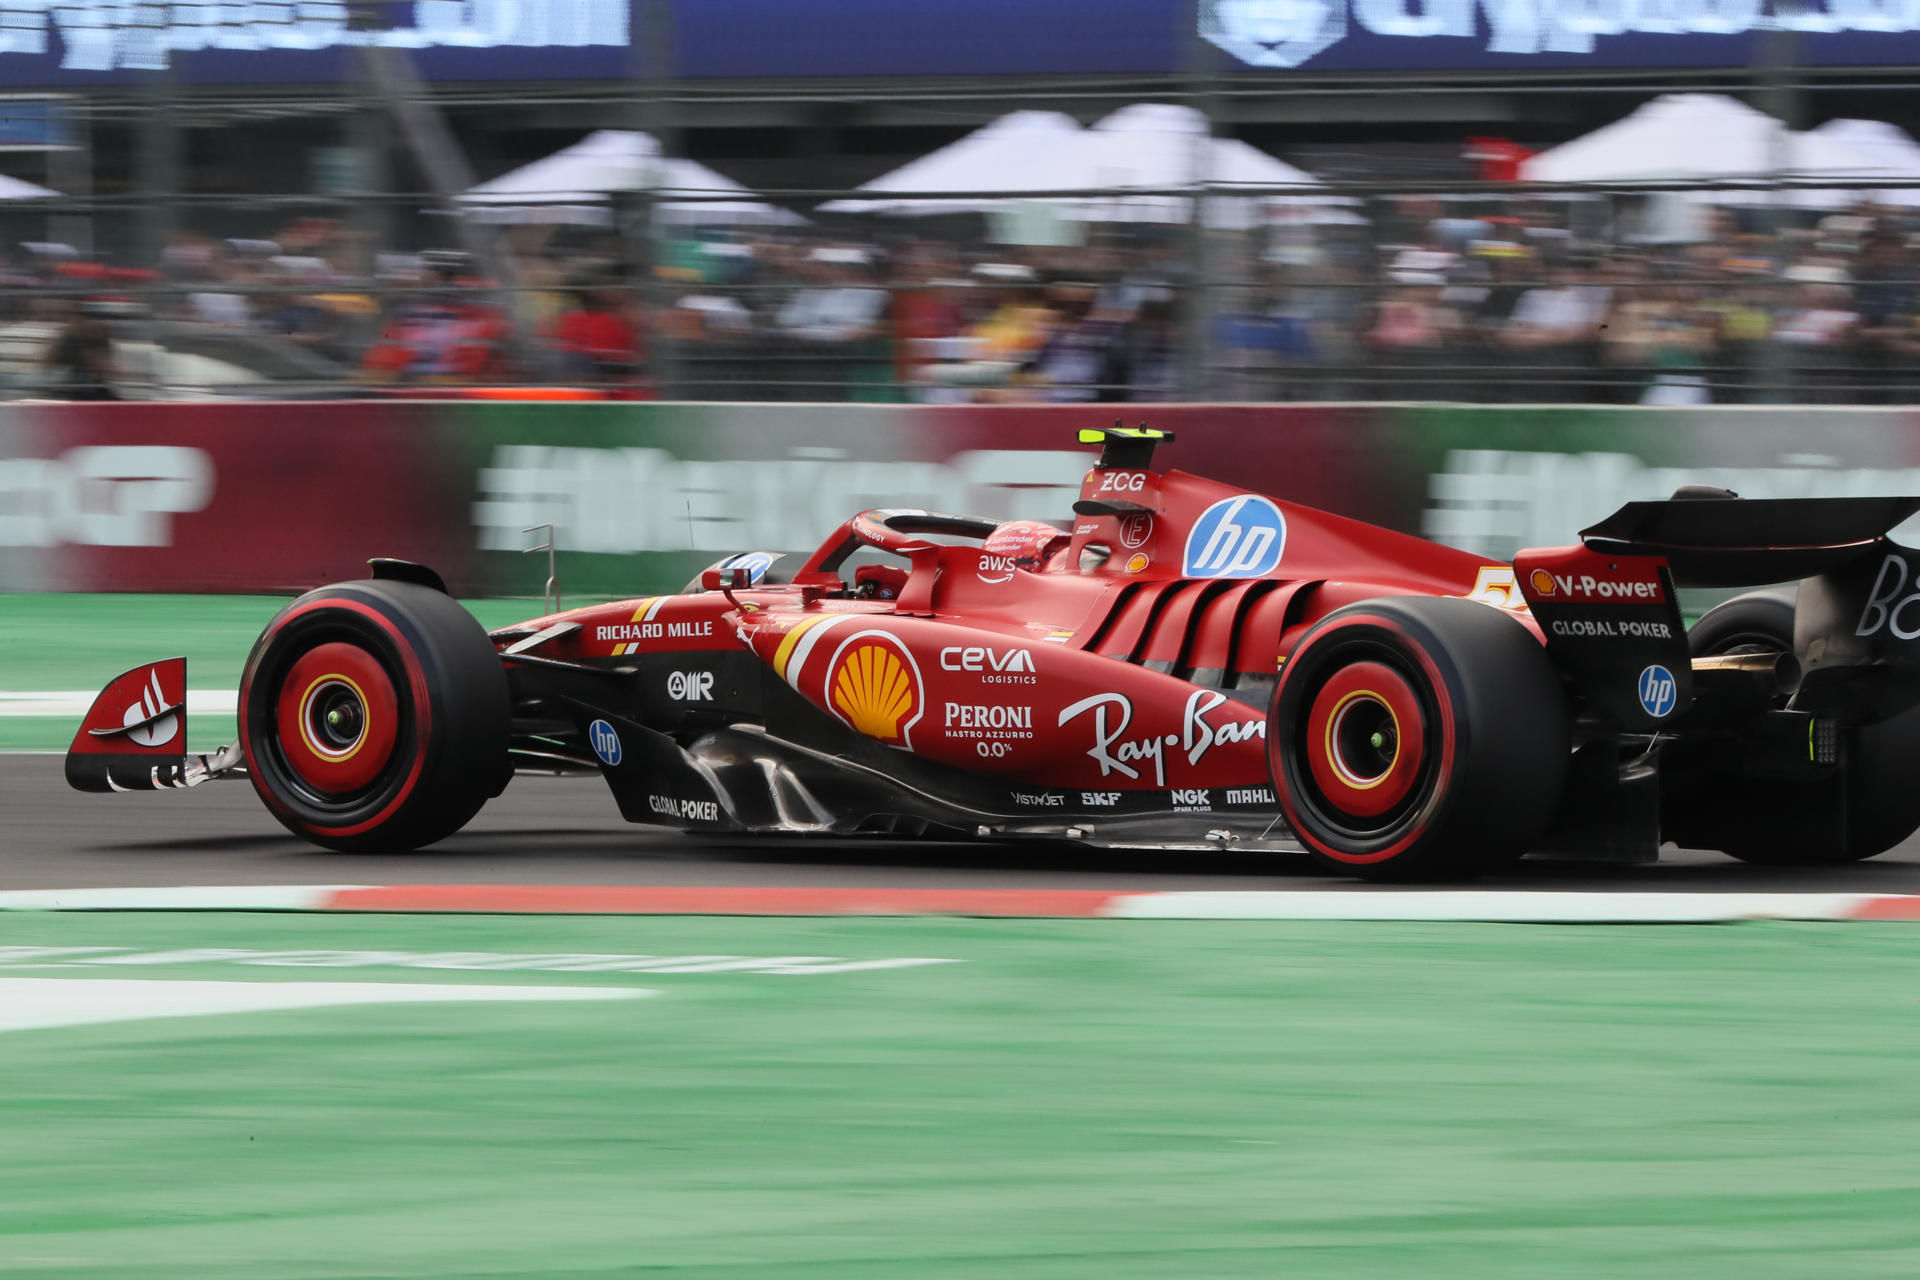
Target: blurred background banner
[70,44]
[642,496]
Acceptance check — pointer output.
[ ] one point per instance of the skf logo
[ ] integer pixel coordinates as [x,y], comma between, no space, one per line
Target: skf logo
[1542,582]
[873,684]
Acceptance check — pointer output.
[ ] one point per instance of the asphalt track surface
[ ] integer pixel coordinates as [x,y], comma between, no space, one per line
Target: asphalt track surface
[566,831]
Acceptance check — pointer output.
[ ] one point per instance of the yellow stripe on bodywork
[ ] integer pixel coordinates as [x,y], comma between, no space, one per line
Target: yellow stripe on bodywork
[645,605]
[784,653]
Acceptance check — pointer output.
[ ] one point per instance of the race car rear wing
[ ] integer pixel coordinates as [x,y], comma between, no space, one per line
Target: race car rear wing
[1610,616]
[1749,541]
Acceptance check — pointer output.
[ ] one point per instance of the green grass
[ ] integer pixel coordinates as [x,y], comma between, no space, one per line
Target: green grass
[74,641]
[1076,1099]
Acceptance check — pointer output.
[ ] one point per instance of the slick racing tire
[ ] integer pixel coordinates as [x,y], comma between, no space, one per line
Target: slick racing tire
[1757,622]
[1418,738]
[374,717]
[1757,816]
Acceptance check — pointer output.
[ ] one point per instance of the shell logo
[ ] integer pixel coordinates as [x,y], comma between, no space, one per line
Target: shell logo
[1542,582]
[873,684]
[1137,562]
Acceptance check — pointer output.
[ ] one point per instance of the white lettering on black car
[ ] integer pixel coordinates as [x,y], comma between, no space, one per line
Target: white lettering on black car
[684,810]
[1885,605]
[690,686]
[1612,627]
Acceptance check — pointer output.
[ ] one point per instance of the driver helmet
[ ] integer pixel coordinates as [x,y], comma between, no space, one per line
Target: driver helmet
[1031,543]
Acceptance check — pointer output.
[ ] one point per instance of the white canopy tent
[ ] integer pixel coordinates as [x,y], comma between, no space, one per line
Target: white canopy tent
[1157,145]
[1892,150]
[15,189]
[574,185]
[1703,137]
[1023,152]
[1148,147]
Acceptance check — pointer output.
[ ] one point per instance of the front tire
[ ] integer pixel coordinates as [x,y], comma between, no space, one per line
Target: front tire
[1418,738]
[375,717]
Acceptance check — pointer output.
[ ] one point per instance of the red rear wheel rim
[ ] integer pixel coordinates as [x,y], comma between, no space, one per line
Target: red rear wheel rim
[1365,739]
[337,718]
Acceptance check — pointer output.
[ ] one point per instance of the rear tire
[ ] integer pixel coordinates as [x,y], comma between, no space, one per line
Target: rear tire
[1418,738]
[1877,795]
[375,717]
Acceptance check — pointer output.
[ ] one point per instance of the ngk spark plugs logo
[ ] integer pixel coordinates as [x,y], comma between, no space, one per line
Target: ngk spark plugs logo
[873,684]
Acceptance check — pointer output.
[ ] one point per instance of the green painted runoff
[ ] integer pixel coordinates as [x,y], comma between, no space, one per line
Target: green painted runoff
[1072,1099]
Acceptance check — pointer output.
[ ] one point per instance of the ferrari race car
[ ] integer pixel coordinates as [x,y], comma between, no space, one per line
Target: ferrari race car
[1183,665]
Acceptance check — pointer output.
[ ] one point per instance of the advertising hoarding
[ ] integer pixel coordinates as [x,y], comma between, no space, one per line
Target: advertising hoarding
[76,43]
[250,498]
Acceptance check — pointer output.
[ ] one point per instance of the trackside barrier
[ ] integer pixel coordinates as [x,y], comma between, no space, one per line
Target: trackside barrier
[280,497]
[750,900]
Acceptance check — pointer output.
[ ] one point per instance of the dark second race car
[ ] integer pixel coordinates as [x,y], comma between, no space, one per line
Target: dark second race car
[1185,665]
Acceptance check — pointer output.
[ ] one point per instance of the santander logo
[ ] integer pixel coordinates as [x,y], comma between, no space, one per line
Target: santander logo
[143,720]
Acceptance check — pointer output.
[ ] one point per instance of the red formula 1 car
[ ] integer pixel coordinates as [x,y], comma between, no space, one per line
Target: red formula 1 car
[1185,664]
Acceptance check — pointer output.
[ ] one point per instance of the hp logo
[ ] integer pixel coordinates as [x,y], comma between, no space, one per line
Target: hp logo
[1658,692]
[756,563]
[606,743]
[1240,537]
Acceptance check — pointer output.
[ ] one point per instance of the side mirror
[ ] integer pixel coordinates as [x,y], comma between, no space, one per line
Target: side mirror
[726,580]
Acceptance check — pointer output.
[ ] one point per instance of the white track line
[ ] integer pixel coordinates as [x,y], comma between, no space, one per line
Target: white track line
[1493,906]
[237,897]
[1437,906]
[73,703]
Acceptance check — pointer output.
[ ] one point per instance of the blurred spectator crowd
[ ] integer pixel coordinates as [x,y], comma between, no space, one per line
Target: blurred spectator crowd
[1485,300]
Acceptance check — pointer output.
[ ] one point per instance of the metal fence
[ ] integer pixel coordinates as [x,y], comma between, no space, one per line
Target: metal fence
[1357,291]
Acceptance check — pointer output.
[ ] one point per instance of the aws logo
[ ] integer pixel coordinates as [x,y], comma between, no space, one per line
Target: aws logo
[874,685]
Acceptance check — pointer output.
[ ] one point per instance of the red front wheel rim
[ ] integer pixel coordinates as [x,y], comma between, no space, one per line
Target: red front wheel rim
[337,717]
